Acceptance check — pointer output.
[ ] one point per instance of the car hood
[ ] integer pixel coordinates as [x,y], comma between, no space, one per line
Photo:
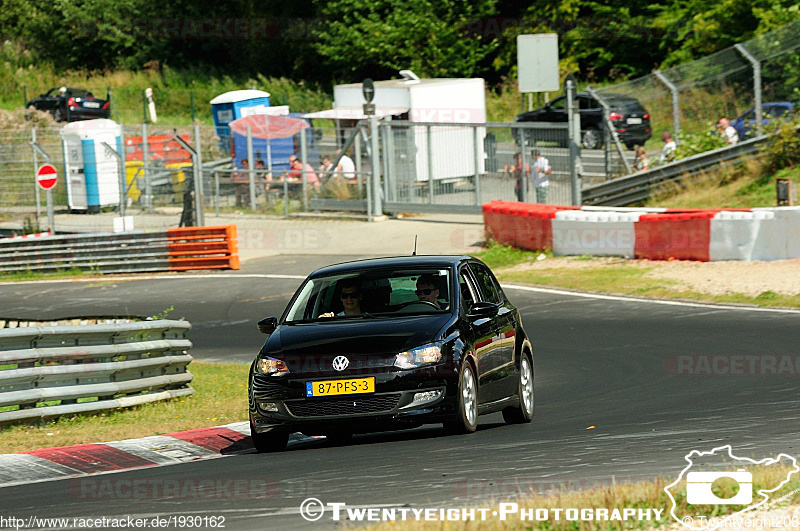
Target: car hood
[367,343]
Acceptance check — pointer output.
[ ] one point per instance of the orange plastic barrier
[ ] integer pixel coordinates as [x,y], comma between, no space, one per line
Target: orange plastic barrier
[203,248]
[675,235]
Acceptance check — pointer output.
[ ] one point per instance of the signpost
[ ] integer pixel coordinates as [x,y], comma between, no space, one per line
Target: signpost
[373,195]
[46,178]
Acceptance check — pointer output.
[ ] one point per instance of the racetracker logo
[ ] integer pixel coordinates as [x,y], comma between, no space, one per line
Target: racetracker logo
[733,365]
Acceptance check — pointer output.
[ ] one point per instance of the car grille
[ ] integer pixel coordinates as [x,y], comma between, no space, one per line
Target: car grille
[268,390]
[343,406]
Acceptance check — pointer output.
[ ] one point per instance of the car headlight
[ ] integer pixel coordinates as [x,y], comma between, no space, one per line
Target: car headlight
[271,366]
[416,357]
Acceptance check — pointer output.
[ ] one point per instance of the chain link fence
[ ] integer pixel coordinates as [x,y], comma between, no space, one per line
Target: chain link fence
[691,98]
[441,166]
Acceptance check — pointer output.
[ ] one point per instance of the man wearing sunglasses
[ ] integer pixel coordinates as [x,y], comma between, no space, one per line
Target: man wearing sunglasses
[350,295]
[427,290]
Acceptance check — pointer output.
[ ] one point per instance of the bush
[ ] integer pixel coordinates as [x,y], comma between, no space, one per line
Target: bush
[783,150]
[692,143]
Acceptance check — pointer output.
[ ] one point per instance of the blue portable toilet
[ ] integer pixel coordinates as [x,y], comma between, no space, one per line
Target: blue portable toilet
[92,173]
[235,104]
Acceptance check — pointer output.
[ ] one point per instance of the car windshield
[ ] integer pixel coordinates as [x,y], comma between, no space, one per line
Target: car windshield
[371,293]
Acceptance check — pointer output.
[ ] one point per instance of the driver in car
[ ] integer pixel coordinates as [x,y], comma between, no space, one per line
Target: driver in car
[427,290]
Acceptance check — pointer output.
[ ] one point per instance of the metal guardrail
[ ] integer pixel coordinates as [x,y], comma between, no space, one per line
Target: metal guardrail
[124,252]
[637,187]
[49,371]
[360,205]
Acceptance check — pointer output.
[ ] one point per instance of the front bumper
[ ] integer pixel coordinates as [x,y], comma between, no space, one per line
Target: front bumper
[402,399]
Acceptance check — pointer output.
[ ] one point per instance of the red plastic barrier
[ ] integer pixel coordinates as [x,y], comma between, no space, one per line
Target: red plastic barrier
[677,235]
[521,225]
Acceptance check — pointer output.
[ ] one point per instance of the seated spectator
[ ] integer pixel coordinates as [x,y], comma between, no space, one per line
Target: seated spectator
[640,161]
[298,168]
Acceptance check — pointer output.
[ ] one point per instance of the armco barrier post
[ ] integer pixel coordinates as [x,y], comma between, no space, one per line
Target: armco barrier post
[199,193]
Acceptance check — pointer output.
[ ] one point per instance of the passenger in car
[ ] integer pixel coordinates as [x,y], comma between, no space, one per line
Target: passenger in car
[350,295]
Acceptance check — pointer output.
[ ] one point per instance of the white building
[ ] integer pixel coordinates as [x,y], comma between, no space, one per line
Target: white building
[426,102]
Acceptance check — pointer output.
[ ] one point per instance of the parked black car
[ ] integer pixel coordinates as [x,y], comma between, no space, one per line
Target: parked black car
[71,104]
[630,119]
[390,343]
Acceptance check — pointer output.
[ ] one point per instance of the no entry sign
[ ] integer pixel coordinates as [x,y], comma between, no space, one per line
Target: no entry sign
[46,176]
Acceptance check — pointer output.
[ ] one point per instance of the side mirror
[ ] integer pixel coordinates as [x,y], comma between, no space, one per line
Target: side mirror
[268,325]
[481,310]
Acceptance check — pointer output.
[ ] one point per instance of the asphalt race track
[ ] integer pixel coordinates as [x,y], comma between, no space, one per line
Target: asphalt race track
[625,389]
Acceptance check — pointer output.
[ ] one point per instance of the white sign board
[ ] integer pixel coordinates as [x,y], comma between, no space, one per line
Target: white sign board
[537,62]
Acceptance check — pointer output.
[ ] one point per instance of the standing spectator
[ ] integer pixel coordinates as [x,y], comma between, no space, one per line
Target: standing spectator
[541,171]
[346,167]
[668,151]
[640,160]
[520,177]
[727,131]
[241,180]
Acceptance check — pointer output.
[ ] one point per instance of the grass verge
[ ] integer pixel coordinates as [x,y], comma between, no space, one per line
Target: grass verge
[639,495]
[220,398]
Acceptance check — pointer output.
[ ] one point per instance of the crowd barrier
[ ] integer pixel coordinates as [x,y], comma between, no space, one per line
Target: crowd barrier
[651,233]
[50,371]
[179,249]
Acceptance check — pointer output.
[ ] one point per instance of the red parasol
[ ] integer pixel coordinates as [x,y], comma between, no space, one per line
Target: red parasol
[268,127]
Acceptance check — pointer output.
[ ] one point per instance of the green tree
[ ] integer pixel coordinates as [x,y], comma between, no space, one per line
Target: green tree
[379,37]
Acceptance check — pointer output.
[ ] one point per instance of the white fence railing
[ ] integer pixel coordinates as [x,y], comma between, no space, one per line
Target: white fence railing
[50,371]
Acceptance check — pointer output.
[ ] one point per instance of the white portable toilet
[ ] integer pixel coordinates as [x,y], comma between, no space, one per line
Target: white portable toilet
[92,173]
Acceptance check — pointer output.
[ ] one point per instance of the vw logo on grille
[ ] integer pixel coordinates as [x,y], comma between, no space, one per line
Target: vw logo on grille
[340,363]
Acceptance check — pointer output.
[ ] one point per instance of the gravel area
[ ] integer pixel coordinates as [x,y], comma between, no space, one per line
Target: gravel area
[714,278]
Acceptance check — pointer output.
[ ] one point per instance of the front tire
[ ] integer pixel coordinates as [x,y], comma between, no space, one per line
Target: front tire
[523,412]
[466,418]
[272,441]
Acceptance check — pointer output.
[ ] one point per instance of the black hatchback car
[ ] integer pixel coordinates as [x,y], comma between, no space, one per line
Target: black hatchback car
[630,119]
[71,104]
[390,343]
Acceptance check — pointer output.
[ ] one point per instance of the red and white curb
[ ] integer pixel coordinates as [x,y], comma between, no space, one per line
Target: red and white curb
[27,236]
[81,460]
[655,234]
